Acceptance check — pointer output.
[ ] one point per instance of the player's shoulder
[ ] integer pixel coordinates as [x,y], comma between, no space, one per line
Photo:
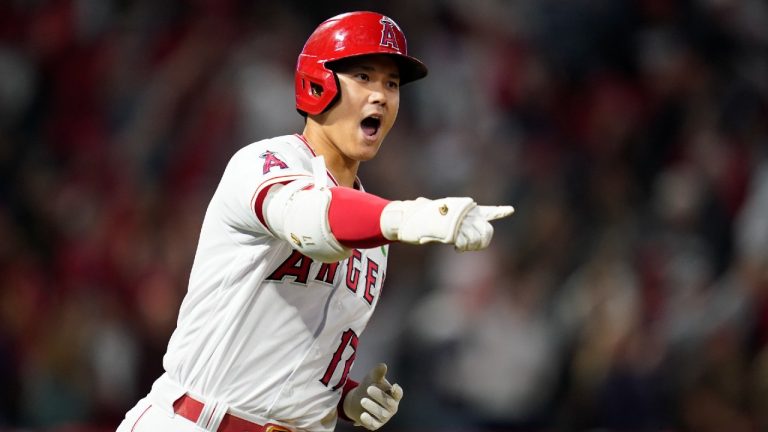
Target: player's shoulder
[286,146]
[279,156]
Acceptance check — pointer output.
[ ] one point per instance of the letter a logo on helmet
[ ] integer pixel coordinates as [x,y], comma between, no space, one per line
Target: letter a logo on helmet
[343,36]
[388,37]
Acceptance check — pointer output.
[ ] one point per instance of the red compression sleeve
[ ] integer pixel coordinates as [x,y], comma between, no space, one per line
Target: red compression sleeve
[348,386]
[355,216]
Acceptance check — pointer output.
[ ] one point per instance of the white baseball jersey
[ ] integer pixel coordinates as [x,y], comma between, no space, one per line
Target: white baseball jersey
[263,328]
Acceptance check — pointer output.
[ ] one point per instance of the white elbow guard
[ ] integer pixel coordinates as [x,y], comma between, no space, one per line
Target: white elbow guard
[298,213]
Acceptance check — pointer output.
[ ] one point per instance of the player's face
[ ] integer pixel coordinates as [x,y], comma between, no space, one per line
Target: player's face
[366,111]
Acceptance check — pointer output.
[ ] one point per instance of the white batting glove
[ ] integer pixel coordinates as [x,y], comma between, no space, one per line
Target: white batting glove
[457,221]
[475,231]
[374,401]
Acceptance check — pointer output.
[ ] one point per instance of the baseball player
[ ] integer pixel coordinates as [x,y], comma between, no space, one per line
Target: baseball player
[292,256]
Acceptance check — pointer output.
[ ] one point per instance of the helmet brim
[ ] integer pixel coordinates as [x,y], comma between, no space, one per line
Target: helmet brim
[411,69]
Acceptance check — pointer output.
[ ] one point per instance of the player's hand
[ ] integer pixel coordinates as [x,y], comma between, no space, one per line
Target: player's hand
[374,401]
[457,221]
[475,231]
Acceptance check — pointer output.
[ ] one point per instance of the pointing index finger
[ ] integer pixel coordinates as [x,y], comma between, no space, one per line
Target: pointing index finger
[495,212]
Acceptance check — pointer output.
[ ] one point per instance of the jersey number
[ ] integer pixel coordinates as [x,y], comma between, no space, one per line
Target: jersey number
[348,338]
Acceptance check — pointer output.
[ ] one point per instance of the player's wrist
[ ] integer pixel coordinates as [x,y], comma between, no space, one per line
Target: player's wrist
[392,217]
[342,409]
[349,406]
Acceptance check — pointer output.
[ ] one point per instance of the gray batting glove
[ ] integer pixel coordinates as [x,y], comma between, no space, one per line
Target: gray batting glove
[374,401]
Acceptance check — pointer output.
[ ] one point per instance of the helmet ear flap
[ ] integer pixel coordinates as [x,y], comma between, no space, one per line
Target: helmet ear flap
[317,89]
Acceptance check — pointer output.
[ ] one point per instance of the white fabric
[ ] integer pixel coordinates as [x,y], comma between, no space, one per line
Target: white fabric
[212,414]
[165,391]
[148,417]
[319,172]
[155,412]
[259,325]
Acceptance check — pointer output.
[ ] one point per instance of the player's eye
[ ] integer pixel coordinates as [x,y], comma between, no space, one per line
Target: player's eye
[393,85]
[362,76]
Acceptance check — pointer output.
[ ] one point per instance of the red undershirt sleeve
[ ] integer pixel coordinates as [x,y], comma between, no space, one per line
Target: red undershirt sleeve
[354,218]
[348,386]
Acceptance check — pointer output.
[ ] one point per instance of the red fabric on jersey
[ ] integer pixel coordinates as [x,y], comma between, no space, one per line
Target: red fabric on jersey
[261,195]
[348,386]
[355,216]
[259,206]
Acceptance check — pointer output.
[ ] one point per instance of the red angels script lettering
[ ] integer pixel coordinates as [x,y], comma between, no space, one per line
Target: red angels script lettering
[327,272]
[353,273]
[371,275]
[297,266]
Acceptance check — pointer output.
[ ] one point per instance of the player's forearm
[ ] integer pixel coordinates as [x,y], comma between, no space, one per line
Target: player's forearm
[355,218]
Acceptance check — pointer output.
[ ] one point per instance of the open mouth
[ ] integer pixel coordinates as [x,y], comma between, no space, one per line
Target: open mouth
[370,125]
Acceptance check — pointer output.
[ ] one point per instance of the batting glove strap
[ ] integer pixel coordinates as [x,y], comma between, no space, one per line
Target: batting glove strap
[423,220]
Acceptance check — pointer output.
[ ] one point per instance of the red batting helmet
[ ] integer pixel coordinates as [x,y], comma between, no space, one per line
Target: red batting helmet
[343,36]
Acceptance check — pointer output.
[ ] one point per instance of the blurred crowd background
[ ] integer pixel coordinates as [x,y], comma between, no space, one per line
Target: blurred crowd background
[629,292]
